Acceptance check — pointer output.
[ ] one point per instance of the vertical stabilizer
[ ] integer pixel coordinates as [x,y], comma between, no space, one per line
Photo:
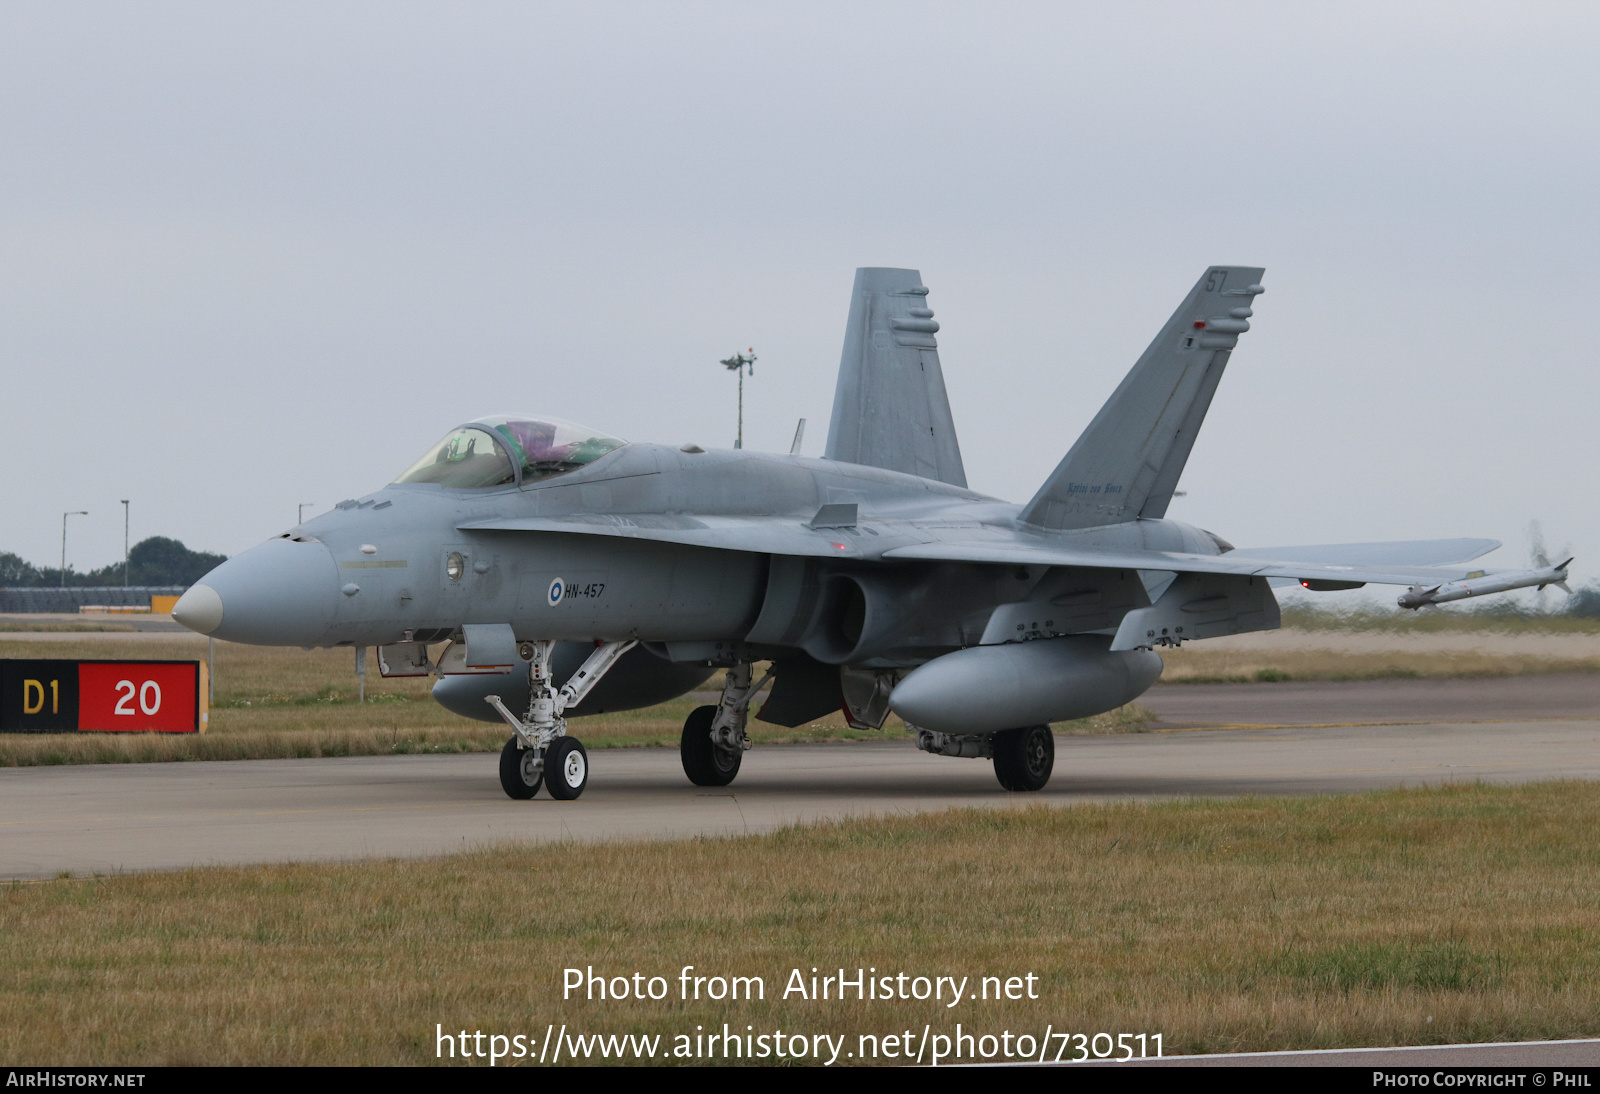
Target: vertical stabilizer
[890,409]
[1127,463]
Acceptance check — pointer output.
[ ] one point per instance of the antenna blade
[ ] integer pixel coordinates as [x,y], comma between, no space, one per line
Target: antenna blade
[799,436]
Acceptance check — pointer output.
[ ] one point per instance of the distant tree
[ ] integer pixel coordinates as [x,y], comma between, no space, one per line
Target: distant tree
[1585,602]
[154,561]
[162,561]
[17,573]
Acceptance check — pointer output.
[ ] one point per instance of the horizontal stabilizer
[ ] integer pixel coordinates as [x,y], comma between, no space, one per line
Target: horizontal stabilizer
[1126,465]
[890,409]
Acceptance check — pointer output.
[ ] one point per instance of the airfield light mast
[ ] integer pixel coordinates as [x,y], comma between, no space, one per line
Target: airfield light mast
[64,516]
[124,543]
[739,362]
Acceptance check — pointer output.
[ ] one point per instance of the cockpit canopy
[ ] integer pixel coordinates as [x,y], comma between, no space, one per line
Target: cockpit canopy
[499,451]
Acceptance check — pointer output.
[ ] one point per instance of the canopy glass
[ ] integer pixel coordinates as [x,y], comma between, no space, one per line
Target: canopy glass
[505,449]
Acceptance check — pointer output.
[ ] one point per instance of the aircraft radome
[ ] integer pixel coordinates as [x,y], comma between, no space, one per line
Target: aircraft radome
[572,572]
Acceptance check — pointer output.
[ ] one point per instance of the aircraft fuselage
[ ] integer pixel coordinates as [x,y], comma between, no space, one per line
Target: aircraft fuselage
[404,564]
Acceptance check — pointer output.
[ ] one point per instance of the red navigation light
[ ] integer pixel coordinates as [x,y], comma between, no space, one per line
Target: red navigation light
[1199,324]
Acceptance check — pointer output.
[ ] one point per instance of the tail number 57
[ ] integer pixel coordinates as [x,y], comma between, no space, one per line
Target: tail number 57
[149,694]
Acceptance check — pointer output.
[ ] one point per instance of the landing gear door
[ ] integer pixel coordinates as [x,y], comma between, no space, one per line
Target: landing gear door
[485,647]
[404,659]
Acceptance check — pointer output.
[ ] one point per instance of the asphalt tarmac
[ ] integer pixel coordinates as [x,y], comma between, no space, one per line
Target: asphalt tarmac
[1304,739]
[1500,698]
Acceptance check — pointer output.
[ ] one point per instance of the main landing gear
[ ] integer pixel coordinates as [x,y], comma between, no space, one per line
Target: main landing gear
[1023,758]
[714,740]
[539,751]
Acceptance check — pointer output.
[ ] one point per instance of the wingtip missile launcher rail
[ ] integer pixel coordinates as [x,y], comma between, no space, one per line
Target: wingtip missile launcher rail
[1420,596]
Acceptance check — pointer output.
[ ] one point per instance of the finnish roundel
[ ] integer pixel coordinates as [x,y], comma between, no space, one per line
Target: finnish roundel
[558,588]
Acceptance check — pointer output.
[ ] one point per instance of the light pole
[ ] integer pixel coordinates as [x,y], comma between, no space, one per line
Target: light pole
[124,543]
[64,516]
[738,363]
[300,513]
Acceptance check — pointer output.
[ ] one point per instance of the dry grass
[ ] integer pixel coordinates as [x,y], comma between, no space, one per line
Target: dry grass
[1132,718]
[1472,617]
[13,626]
[1198,663]
[1433,916]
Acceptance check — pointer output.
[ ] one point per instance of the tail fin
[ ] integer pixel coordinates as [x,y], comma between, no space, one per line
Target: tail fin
[1126,464]
[890,409]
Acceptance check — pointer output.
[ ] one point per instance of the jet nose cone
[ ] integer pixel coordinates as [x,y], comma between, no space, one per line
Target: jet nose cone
[278,593]
[199,609]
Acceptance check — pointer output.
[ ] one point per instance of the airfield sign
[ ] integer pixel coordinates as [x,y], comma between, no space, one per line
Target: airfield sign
[63,696]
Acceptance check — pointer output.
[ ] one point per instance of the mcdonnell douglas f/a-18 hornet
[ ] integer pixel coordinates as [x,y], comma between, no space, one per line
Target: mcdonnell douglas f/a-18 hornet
[544,570]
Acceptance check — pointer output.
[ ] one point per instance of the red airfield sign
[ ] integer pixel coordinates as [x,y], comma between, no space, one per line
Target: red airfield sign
[57,696]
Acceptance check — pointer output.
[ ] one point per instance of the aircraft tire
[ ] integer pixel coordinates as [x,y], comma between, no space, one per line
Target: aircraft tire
[566,768]
[704,762]
[518,777]
[1024,758]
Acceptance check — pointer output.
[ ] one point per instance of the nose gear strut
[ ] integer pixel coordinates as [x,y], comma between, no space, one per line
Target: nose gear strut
[539,729]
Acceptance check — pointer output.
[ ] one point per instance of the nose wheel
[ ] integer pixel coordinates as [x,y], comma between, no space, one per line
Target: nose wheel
[563,769]
[566,767]
[521,773]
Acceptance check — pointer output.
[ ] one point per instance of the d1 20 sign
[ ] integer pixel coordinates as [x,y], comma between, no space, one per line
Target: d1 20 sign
[107,696]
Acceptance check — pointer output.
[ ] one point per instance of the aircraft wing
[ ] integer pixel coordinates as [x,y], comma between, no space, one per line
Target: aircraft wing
[1415,552]
[1378,563]
[1342,562]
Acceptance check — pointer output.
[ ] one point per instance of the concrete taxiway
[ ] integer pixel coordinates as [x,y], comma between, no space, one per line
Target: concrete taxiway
[119,818]
[1501,698]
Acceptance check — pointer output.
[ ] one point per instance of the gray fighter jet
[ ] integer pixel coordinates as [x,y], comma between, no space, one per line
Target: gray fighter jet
[544,570]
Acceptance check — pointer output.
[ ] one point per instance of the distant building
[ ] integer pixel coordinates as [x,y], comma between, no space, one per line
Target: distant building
[72,598]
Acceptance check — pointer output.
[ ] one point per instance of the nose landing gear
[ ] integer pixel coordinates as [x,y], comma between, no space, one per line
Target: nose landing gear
[540,752]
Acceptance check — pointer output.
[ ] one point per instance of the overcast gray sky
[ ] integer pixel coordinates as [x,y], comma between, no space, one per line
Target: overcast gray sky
[256,255]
